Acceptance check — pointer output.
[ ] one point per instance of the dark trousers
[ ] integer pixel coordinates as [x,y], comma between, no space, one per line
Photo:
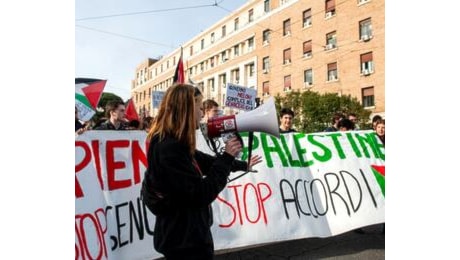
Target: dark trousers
[205,253]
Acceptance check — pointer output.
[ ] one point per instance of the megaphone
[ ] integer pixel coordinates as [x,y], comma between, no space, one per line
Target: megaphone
[262,119]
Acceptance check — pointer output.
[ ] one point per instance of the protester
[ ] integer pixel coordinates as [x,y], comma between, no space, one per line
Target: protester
[78,124]
[115,112]
[134,125]
[210,110]
[80,128]
[335,120]
[380,130]
[345,125]
[286,121]
[353,118]
[374,120]
[181,182]
[147,123]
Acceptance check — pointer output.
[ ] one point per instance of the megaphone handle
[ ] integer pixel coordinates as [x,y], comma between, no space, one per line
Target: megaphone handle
[238,136]
[250,139]
[213,145]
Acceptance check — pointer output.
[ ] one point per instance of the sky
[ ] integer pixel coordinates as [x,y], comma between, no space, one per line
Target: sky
[112,47]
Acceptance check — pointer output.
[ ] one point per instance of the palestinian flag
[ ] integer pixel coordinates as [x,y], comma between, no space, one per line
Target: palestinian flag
[179,76]
[379,174]
[131,113]
[87,95]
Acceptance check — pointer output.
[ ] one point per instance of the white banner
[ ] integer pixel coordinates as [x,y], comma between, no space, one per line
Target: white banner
[308,185]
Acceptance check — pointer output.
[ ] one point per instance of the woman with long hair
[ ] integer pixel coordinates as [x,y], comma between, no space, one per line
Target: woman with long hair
[181,182]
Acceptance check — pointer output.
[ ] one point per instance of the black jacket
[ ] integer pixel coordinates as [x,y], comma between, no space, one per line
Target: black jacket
[187,218]
[107,125]
[291,130]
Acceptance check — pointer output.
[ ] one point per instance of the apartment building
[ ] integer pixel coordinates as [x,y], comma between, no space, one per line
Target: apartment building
[277,46]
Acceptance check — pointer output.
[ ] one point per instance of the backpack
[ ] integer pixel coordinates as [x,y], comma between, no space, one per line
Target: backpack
[155,201]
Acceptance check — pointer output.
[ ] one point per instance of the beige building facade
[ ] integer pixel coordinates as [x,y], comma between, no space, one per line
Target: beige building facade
[277,46]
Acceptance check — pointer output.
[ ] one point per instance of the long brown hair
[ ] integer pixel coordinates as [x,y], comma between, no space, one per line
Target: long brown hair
[176,115]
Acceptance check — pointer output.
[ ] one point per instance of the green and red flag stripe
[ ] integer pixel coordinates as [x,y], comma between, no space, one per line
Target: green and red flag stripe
[379,174]
[87,94]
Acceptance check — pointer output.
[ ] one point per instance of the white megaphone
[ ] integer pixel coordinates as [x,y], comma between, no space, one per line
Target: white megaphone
[262,119]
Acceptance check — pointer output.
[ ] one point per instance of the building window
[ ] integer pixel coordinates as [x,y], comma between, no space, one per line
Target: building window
[308,77]
[174,61]
[202,44]
[202,67]
[251,43]
[287,56]
[161,68]
[365,30]
[368,97]
[223,79]
[330,8]
[201,86]
[211,84]
[266,88]
[284,2]
[235,75]
[332,73]
[251,16]
[367,63]
[307,53]
[191,71]
[267,6]
[237,24]
[251,69]
[287,83]
[224,31]
[212,62]
[156,72]
[236,50]
[266,36]
[331,40]
[360,2]
[191,50]
[266,63]
[306,18]
[287,27]
[224,56]
[167,64]
[212,37]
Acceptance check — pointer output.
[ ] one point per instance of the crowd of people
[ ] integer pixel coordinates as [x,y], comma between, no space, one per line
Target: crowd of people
[115,120]
[340,122]
[181,182]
